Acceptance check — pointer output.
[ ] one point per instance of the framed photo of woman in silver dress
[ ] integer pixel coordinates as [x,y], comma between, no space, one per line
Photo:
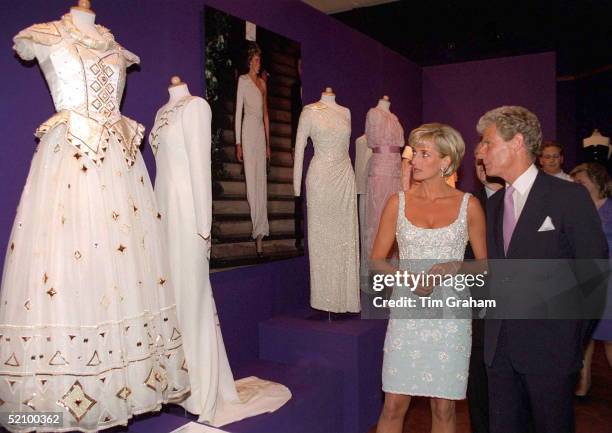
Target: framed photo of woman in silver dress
[253,85]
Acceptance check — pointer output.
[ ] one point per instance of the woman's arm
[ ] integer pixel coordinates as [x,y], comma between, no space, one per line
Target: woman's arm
[238,118]
[266,118]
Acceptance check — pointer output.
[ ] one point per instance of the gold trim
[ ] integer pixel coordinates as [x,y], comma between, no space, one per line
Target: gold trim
[63,360]
[12,361]
[94,361]
[76,401]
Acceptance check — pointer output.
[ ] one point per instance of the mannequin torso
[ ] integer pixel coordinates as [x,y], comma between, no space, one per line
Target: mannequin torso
[596,139]
[383,105]
[85,22]
[177,93]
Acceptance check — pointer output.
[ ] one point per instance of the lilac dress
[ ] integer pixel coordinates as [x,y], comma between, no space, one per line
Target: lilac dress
[385,137]
[604,328]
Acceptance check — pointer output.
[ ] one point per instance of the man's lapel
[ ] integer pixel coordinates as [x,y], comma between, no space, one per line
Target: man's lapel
[530,219]
[495,217]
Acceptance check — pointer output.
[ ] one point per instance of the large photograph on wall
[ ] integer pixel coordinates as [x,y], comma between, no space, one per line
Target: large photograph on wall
[253,86]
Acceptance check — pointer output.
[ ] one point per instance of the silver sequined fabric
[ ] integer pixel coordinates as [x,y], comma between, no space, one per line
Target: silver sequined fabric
[333,237]
[428,355]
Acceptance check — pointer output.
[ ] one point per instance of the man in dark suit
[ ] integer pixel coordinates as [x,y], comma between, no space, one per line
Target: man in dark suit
[532,365]
[477,391]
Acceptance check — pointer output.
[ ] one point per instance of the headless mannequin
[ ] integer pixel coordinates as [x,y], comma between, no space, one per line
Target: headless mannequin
[85,19]
[596,139]
[384,103]
[329,97]
[177,90]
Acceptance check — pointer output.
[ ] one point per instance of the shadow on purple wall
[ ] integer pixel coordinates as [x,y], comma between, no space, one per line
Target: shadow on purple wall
[460,93]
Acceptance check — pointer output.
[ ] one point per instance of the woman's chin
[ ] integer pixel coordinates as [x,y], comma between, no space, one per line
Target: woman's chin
[420,177]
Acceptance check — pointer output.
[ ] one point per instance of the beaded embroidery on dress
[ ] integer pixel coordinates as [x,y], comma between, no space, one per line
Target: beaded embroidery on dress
[88,321]
[428,356]
[333,234]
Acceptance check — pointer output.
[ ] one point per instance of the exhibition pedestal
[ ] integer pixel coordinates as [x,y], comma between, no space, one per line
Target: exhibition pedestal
[333,370]
[351,347]
[313,408]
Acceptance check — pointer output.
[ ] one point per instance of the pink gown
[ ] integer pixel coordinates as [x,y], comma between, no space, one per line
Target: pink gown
[385,137]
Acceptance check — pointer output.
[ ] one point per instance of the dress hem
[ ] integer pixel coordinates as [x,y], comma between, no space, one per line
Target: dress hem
[124,422]
[425,395]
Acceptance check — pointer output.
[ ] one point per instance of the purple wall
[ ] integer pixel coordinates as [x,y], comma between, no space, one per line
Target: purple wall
[458,94]
[167,37]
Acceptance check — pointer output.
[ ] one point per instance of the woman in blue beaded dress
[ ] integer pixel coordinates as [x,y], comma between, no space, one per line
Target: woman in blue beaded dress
[432,222]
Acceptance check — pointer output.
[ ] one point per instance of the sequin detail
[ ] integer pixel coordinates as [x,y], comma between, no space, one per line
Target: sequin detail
[428,357]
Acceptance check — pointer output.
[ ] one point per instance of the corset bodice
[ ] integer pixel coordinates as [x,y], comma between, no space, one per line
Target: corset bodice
[86,78]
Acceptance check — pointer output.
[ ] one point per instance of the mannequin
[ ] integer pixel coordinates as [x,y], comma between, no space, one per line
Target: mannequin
[177,90]
[596,139]
[385,137]
[85,19]
[328,96]
[181,142]
[123,324]
[384,103]
[333,233]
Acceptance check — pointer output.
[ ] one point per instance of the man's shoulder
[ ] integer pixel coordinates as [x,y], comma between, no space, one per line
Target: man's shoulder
[558,185]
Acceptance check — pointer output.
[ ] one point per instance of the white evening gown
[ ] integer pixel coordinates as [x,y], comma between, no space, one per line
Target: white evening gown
[88,322]
[331,199]
[251,133]
[181,142]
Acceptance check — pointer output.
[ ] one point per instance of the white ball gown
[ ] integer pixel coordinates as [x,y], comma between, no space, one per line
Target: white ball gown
[88,322]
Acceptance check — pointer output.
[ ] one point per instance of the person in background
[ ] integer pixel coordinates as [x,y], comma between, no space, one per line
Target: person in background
[594,177]
[551,160]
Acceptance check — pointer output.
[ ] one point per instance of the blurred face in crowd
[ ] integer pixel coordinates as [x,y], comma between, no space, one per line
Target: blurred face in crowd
[551,159]
[583,179]
[427,161]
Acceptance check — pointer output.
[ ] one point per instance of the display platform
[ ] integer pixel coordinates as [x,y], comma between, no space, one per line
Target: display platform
[347,345]
[313,408]
[333,370]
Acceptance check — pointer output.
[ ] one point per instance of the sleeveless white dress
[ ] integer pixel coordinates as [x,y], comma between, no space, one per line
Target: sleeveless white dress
[425,355]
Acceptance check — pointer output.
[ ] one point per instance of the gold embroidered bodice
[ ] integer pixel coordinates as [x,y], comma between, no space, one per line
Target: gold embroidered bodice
[86,78]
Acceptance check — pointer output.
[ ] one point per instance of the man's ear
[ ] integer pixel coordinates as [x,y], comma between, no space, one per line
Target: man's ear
[517,142]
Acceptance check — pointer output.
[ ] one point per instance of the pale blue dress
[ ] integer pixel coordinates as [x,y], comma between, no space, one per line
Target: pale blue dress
[427,352]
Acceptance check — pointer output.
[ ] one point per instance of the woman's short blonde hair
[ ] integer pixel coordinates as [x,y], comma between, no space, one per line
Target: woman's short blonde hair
[448,142]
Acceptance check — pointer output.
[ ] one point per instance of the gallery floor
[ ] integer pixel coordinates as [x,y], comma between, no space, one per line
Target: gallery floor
[593,414]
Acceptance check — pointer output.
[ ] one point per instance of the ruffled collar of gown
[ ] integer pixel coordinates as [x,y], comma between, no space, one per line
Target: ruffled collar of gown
[88,41]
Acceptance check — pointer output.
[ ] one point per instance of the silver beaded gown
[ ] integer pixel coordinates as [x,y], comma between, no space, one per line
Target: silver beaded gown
[428,354]
[333,234]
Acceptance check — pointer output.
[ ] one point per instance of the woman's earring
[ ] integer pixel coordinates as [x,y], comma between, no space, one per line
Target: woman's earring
[442,170]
